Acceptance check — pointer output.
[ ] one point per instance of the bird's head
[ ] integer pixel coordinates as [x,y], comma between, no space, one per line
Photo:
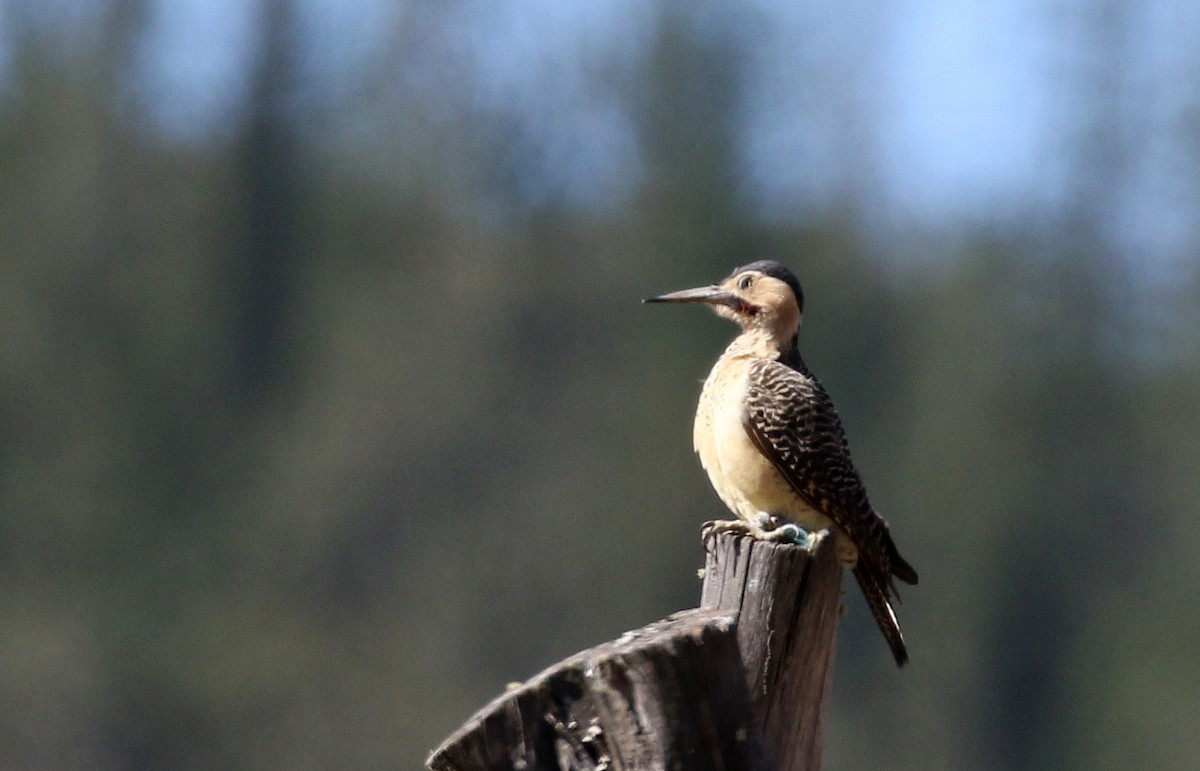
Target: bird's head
[763,296]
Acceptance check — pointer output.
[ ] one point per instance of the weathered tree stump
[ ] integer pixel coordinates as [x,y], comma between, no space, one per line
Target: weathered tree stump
[671,695]
[788,605]
[740,683]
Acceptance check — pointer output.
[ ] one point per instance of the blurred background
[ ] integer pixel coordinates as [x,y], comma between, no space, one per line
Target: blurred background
[328,406]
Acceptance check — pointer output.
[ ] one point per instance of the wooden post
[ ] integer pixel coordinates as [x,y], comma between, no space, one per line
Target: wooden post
[671,695]
[788,605]
[740,683]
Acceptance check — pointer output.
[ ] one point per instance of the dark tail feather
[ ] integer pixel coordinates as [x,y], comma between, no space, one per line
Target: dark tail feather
[881,608]
[900,568]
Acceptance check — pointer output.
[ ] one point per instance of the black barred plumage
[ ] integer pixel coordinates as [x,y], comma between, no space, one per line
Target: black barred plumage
[772,443]
[792,421]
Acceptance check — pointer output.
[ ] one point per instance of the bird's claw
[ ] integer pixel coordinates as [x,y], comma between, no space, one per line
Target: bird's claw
[714,527]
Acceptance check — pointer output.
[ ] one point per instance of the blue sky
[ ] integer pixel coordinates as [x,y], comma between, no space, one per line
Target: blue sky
[965,110]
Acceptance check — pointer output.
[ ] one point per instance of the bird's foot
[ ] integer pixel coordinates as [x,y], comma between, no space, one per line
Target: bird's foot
[714,527]
[785,533]
[766,528]
[775,529]
[789,532]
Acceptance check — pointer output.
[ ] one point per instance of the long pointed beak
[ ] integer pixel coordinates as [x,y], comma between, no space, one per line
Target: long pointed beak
[713,295]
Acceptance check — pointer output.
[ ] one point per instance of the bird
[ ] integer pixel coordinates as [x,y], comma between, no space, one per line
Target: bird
[772,443]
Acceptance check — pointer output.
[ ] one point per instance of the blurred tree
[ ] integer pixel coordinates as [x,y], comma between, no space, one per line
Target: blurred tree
[265,270]
[321,427]
[686,107]
[1073,389]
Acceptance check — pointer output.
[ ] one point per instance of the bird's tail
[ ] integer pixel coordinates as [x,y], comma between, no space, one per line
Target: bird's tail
[876,593]
[899,566]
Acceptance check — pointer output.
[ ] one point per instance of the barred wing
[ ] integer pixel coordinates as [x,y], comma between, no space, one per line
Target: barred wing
[792,421]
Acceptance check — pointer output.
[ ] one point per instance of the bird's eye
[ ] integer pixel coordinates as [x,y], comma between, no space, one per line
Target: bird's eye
[745,281]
